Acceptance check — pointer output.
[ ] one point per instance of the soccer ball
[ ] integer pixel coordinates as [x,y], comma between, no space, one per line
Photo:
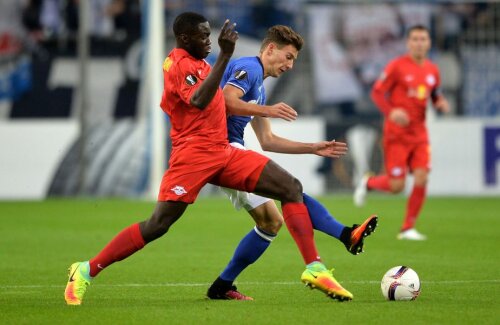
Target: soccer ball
[400,283]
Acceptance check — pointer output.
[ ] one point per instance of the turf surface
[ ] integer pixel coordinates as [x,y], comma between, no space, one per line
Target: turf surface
[167,280]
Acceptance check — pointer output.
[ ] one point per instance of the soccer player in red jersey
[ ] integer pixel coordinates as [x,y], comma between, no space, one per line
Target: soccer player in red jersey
[201,154]
[401,93]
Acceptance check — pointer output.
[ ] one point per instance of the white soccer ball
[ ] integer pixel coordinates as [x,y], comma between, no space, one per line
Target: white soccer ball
[400,283]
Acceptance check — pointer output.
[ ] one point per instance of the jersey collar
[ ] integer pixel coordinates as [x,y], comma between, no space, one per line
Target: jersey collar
[261,65]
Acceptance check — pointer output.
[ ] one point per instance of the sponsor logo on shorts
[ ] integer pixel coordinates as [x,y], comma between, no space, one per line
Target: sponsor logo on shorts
[178,190]
[397,171]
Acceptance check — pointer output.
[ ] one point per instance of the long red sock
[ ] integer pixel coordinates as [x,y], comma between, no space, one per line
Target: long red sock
[415,203]
[378,183]
[300,227]
[126,243]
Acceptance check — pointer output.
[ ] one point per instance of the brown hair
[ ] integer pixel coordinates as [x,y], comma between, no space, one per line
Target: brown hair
[282,36]
[417,27]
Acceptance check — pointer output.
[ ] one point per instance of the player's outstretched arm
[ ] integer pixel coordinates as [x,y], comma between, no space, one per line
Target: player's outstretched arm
[236,106]
[441,104]
[227,42]
[330,149]
[273,143]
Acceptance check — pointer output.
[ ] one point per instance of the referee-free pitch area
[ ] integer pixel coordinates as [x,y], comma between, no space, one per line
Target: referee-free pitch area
[165,283]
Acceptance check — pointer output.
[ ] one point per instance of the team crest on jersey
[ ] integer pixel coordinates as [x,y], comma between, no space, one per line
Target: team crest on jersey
[191,80]
[178,190]
[430,79]
[240,74]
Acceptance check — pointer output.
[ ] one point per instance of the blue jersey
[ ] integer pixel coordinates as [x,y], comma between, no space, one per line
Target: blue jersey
[247,74]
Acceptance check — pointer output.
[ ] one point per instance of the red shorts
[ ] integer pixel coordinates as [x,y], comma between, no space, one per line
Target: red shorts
[190,169]
[400,156]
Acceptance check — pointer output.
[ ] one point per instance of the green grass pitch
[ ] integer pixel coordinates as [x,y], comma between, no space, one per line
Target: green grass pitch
[165,283]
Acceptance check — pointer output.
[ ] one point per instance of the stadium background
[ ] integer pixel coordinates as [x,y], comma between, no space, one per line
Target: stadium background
[56,142]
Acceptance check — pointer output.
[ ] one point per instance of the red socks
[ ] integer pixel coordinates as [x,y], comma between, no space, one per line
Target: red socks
[127,242]
[415,203]
[300,227]
[378,183]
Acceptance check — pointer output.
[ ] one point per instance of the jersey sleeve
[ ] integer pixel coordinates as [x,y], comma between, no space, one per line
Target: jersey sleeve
[243,76]
[436,90]
[186,80]
[382,86]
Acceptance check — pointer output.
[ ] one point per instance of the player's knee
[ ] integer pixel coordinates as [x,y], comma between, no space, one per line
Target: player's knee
[157,226]
[421,181]
[272,226]
[292,191]
[397,187]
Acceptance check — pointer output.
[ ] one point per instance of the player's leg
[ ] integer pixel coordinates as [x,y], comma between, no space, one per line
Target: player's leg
[351,237]
[252,172]
[321,219]
[420,162]
[172,202]
[275,182]
[124,244]
[268,222]
[393,181]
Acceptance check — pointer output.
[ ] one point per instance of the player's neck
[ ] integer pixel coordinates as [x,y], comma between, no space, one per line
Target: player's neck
[417,59]
[262,62]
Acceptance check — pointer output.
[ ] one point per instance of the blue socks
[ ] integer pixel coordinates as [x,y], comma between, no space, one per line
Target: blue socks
[250,248]
[253,245]
[321,218]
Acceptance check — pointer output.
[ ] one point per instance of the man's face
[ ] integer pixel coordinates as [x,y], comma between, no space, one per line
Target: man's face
[280,59]
[418,43]
[198,42]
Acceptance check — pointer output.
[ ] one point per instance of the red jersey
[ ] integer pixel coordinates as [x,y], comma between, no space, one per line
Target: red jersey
[407,85]
[191,126]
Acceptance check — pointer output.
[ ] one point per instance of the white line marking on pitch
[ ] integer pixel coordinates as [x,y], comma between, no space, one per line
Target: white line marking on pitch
[239,283]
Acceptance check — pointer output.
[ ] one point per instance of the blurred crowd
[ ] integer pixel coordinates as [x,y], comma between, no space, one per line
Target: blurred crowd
[363,34]
[117,19]
[42,20]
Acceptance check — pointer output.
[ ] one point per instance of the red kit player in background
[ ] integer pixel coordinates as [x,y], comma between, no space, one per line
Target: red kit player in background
[401,94]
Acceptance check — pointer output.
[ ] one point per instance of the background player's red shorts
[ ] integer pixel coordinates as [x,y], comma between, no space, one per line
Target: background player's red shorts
[190,169]
[400,156]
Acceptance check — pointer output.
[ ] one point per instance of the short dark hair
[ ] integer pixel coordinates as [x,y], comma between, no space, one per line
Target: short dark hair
[282,36]
[417,27]
[187,22]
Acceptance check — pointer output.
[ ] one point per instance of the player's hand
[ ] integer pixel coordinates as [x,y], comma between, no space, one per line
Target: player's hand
[281,110]
[330,149]
[442,105]
[227,38]
[399,116]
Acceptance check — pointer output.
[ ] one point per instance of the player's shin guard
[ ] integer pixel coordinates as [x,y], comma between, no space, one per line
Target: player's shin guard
[321,219]
[126,243]
[250,248]
[415,203]
[378,183]
[300,227]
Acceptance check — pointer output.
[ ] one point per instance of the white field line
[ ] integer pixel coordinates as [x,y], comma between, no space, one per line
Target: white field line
[448,282]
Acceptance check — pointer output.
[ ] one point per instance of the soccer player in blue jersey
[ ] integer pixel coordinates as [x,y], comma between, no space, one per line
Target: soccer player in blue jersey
[245,98]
